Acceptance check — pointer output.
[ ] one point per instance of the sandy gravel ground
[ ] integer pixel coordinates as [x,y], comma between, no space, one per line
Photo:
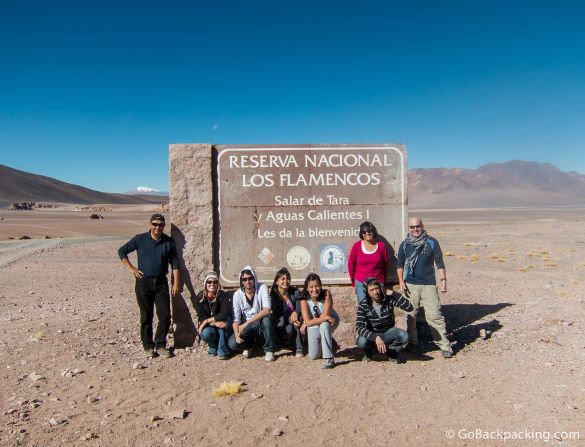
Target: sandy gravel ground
[73,372]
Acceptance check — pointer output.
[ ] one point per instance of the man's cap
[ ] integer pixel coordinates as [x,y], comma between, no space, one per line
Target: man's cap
[157,217]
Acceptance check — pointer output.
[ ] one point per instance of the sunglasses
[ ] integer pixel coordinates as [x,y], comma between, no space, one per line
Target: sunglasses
[247,278]
[316,311]
[211,282]
[157,224]
[414,227]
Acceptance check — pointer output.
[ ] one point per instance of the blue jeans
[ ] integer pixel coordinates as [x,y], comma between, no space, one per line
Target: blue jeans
[359,291]
[394,338]
[258,330]
[217,340]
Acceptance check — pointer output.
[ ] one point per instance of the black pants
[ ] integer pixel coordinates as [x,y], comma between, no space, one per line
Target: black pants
[151,292]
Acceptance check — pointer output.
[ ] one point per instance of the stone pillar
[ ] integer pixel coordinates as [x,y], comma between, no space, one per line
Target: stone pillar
[192,208]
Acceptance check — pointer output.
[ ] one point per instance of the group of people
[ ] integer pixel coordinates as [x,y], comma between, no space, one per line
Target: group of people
[284,316]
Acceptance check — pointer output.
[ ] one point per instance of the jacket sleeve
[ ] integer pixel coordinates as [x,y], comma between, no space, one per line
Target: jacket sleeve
[351,263]
[128,247]
[237,308]
[202,313]
[264,297]
[361,324]
[401,301]
[173,258]
[438,254]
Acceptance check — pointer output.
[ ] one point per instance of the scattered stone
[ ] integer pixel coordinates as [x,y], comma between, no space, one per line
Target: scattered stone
[23,415]
[277,432]
[53,422]
[88,436]
[549,364]
[92,399]
[10,411]
[483,334]
[283,418]
[178,414]
[155,418]
[137,365]
[459,375]
[168,440]
[34,376]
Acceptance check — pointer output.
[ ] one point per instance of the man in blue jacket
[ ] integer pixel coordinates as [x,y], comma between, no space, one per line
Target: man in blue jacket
[156,251]
[417,256]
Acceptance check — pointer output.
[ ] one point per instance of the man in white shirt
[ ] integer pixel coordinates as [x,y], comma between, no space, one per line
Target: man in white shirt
[252,316]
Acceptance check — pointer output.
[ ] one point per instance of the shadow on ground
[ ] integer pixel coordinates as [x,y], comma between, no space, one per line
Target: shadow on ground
[461,326]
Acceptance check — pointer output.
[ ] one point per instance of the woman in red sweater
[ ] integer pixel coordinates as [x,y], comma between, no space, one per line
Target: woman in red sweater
[367,258]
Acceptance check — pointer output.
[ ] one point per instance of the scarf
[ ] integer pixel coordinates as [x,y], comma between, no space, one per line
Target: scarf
[419,244]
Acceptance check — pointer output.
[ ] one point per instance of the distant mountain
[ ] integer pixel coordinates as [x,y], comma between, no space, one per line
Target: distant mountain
[20,186]
[145,190]
[514,183]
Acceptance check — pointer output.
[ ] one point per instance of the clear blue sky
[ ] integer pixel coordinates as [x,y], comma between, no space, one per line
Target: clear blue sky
[93,92]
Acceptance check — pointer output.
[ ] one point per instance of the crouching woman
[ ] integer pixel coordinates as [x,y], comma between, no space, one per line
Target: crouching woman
[375,322]
[214,314]
[319,320]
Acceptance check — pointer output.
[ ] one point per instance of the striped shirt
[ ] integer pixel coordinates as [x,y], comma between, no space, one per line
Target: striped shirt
[370,323]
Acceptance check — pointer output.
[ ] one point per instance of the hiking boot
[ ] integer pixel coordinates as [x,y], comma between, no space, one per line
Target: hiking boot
[269,357]
[328,363]
[246,353]
[165,353]
[299,354]
[447,354]
[366,359]
[149,353]
[395,357]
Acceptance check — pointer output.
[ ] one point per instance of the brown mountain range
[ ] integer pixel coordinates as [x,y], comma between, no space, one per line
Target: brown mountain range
[20,186]
[511,184]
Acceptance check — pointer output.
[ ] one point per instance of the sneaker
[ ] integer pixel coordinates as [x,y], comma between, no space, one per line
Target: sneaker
[269,357]
[447,354]
[395,357]
[366,359]
[223,357]
[165,353]
[299,354]
[149,353]
[246,353]
[328,363]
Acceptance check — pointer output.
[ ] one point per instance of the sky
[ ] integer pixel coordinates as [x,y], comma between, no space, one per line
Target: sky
[93,92]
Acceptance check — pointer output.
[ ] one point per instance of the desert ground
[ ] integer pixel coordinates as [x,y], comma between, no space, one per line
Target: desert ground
[73,370]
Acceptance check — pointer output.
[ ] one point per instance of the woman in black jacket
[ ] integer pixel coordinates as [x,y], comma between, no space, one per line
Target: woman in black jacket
[214,313]
[286,311]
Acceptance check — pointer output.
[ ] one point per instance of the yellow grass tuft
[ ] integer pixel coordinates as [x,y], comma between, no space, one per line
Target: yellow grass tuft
[474,258]
[227,389]
[448,253]
[522,269]
[462,258]
[551,264]
[495,255]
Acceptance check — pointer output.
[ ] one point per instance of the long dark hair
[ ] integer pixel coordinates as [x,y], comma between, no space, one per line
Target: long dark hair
[368,226]
[312,277]
[274,289]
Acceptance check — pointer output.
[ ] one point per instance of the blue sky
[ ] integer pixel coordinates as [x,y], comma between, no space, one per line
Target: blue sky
[93,93]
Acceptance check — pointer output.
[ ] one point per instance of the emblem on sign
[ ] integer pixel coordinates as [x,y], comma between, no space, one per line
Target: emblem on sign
[298,258]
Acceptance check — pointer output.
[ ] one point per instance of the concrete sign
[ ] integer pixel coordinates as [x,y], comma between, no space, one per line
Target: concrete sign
[301,206]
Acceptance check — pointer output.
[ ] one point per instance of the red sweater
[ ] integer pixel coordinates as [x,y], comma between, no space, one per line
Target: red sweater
[362,265]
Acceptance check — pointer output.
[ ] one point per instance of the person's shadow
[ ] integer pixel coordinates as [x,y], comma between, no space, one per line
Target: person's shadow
[185,332]
[461,328]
